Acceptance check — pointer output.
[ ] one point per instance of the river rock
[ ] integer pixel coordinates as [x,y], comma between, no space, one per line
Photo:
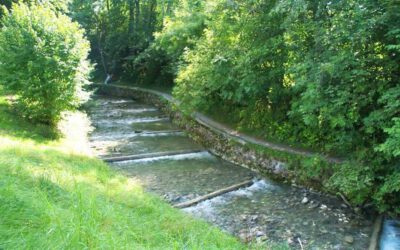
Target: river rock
[304,200]
[245,237]
[259,233]
[324,231]
[349,239]
[262,238]
[176,199]
[254,218]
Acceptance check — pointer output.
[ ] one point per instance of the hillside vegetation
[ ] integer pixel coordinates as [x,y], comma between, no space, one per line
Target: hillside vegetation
[321,75]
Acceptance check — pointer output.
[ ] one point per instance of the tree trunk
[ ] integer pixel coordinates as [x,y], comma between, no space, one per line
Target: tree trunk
[137,6]
[131,26]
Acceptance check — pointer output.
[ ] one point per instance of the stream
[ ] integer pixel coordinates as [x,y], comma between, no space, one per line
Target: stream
[264,211]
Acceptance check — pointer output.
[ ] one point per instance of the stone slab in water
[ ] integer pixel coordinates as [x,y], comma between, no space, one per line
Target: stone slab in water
[184,177]
[109,100]
[139,112]
[126,121]
[154,126]
[129,134]
[144,144]
[279,213]
[117,104]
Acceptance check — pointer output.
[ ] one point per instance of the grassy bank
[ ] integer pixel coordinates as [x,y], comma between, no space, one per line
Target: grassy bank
[54,196]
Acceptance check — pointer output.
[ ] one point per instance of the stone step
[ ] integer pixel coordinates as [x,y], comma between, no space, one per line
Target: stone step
[148,155]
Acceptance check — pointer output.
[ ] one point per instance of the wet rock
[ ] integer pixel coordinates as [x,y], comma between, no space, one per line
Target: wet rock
[254,218]
[260,233]
[176,199]
[323,231]
[338,247]
[349,239]
[244,236]
[323,207]
[262,238]
[304,200]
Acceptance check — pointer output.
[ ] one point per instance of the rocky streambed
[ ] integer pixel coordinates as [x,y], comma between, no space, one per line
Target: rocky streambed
[266,211]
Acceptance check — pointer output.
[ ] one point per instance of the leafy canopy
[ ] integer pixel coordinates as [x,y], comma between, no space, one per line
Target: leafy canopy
[43,61]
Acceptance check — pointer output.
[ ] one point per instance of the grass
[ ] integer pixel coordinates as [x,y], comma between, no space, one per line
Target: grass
[53,195]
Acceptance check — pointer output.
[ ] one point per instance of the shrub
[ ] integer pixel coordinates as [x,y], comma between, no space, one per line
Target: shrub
[43,61]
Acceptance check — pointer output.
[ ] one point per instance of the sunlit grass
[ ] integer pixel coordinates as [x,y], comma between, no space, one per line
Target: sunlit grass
[54,196]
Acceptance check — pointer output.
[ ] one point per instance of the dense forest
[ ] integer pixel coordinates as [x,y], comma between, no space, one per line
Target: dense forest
[318,74]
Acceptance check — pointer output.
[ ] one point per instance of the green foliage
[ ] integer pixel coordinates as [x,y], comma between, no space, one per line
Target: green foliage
[391,147]
[43,61]
[58,5]
[302,73]
[159,63]
[354,181]
[387,195]
[182,30]
[120,30]
[151,68]
[323,74]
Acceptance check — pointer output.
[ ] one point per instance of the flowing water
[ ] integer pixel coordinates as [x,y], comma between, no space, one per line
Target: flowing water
[390,239]
[265,211]
[180,178]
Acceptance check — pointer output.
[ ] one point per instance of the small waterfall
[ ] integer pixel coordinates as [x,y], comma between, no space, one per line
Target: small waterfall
[108,79]
[128,121]
[121,136]
[199,155]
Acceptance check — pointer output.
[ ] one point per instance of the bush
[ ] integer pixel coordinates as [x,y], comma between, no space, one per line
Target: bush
[43,61]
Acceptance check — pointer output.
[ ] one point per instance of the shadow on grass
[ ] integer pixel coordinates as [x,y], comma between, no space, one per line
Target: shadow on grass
[12,124]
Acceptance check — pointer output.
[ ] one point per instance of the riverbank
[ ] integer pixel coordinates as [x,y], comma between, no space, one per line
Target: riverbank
[54,195]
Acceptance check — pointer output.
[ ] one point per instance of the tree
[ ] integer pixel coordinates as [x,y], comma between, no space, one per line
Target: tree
[317,73]
[43,61]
